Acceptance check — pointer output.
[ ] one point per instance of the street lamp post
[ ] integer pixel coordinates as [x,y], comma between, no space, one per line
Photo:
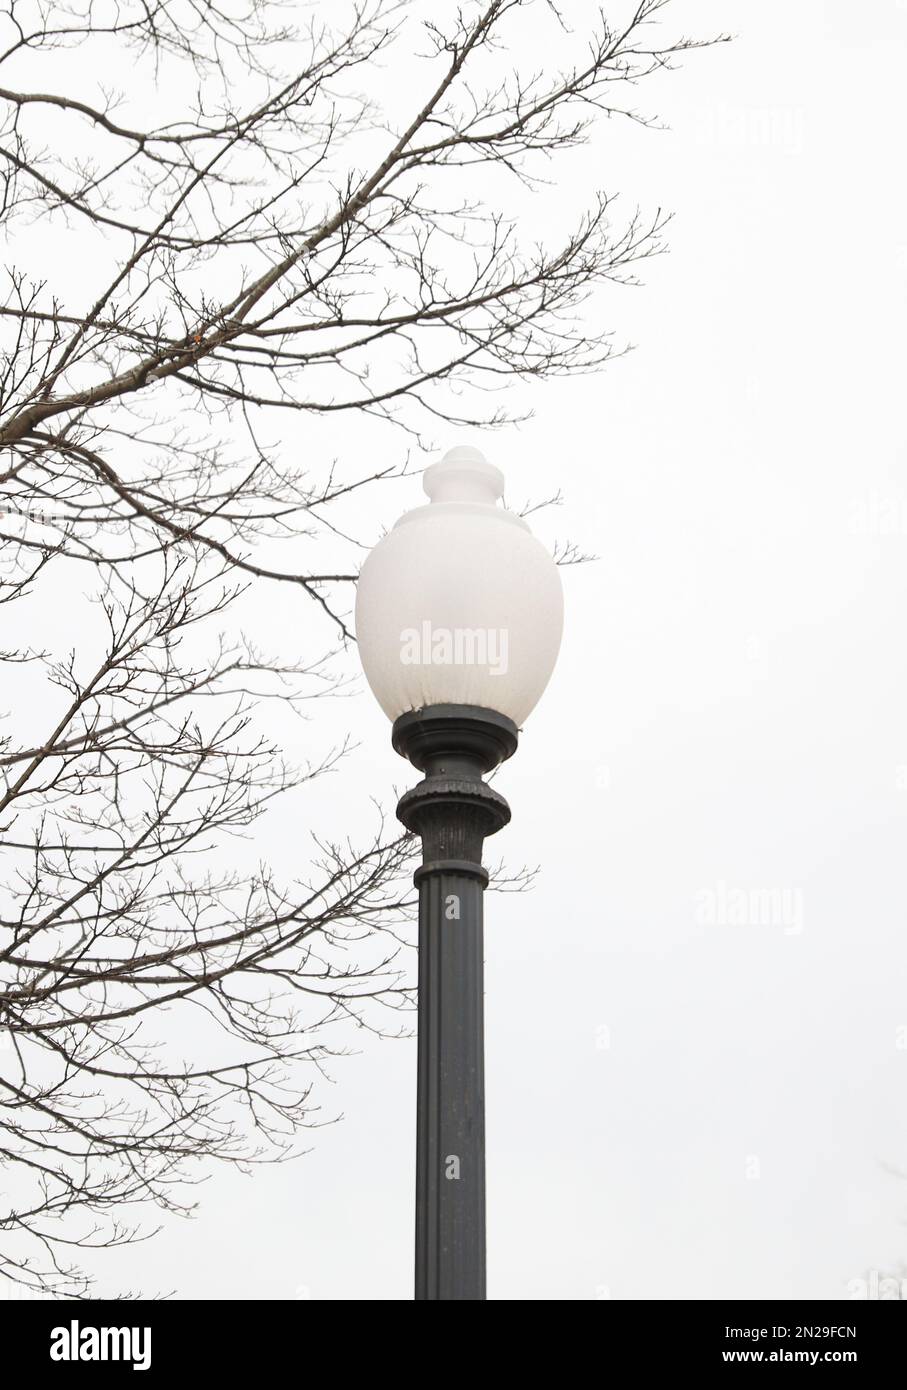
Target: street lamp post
[453,810]
[459,614]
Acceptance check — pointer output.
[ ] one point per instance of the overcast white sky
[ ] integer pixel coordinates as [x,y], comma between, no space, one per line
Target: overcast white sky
[680,1104]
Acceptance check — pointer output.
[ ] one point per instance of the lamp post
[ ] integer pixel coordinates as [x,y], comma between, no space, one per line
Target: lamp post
[459,612]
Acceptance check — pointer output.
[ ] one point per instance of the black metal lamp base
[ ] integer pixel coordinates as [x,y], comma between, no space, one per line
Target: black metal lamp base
[452,732]
[452,810]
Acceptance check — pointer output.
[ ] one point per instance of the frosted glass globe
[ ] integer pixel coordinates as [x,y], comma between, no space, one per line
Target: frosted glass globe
[459,603]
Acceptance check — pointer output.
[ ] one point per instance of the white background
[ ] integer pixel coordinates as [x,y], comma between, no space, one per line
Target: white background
[676,1108]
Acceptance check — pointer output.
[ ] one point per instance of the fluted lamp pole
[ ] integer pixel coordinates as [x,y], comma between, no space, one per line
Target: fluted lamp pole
[459,613]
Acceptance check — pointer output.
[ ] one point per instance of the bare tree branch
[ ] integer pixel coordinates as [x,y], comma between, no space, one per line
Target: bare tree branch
[286,213]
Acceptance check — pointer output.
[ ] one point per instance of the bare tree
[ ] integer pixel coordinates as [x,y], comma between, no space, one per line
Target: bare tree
[249,236]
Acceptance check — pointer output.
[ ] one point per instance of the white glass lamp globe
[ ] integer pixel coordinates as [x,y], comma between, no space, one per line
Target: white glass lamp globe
[459,603]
